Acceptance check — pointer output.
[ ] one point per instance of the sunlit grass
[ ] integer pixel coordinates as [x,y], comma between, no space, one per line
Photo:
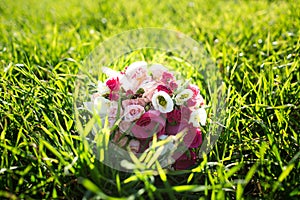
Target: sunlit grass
[255,44]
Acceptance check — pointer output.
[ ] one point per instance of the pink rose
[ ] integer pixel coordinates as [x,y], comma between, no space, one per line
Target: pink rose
[173,85]
[169,80]
[196,99]
[194,88]
[138,101]
[133,112]
[193,138]
[185,161]
[113,84]
[167,77]
[149,123]
[124,127]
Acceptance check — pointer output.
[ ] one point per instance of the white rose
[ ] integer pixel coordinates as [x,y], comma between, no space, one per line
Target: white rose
[127,84]
[137,70]
[183,96]
[157,70]
[135,74]
[162,102]
[198,117]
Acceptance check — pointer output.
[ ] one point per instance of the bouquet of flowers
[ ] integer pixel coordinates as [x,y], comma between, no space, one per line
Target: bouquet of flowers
[144,100]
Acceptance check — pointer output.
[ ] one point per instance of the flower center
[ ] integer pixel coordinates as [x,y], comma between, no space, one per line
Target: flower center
[184,96]
[162,101]
[132,112]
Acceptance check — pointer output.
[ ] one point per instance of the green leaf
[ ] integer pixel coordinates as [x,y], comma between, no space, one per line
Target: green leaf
[286,172]
[92,187]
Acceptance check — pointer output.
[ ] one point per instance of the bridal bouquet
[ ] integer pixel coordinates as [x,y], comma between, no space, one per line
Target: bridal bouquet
[146,100]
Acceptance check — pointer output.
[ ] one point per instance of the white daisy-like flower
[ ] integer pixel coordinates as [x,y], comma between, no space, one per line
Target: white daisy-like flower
[162,102]
[198,117]
[183,96]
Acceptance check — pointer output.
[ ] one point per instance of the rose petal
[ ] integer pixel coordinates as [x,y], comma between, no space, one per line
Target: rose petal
[185,161]
[193,138]
[149,123]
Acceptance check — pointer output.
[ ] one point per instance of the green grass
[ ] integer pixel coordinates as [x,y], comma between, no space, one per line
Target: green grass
[256,46]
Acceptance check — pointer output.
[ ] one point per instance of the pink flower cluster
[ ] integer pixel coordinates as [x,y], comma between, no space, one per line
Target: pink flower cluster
[146,100]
